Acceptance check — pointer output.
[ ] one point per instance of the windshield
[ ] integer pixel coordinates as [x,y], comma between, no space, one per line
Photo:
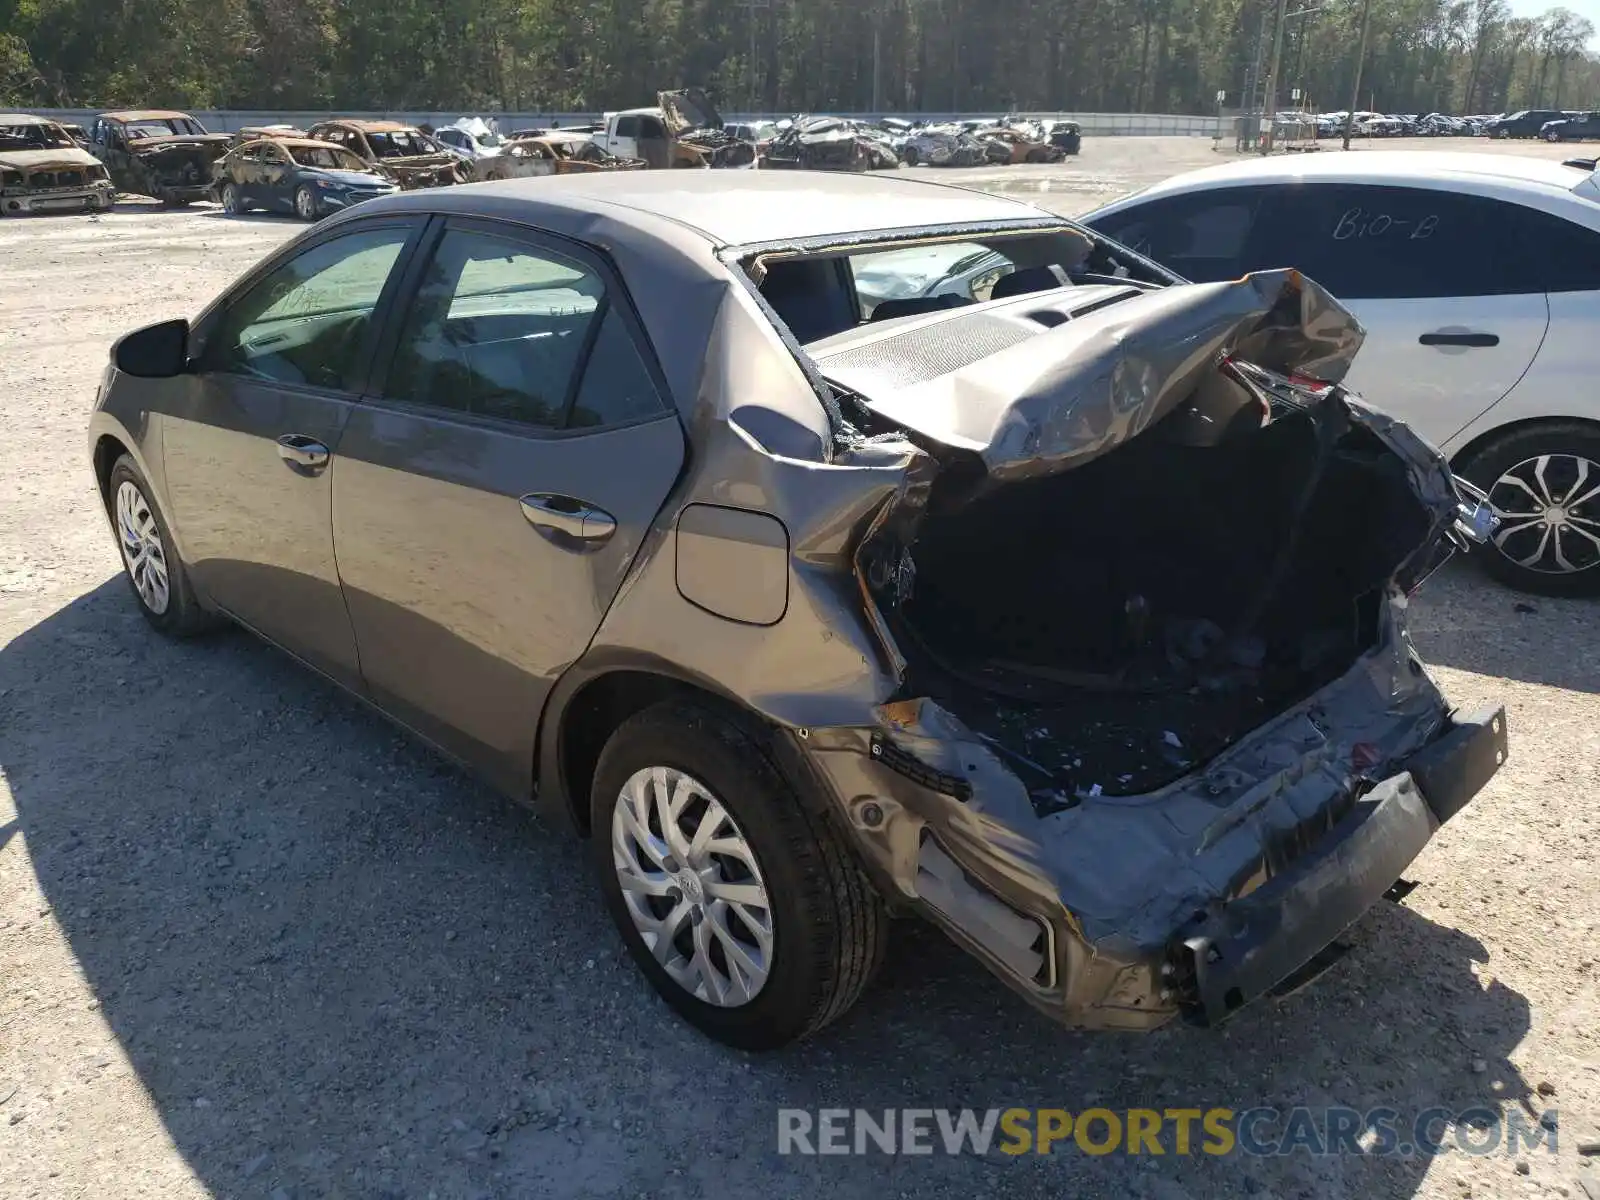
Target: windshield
[404,143]
[169,127]
[40,135]
[328,158]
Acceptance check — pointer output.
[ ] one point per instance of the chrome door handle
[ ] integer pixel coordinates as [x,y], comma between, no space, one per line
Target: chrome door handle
[300,451]
[548,512]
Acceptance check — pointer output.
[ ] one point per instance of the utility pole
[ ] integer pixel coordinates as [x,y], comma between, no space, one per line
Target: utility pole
[877,58]
[1270,104]
[1355,88]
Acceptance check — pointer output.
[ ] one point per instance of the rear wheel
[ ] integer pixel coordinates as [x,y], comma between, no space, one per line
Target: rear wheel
[742,906]
[910,157]
[1544,483]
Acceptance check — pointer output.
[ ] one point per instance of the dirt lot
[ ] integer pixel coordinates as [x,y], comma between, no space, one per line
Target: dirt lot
[253,942]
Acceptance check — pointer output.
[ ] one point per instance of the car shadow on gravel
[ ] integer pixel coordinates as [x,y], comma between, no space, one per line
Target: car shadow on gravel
[339,967]
[1462,619]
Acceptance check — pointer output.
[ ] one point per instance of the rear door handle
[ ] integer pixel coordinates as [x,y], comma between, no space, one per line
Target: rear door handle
[1478,341]
[551,513]
[301,451]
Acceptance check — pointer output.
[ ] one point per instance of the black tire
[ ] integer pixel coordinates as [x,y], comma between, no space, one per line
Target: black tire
[1486,466]
[910,156]
[232,202]
[828,923]
[182,616]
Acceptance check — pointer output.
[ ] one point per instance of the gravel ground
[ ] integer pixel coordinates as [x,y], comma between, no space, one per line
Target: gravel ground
[253,942]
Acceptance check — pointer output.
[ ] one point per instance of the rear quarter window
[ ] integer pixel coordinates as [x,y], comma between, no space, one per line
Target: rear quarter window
[1366,242]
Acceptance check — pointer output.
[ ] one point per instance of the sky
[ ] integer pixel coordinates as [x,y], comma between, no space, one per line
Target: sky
[1584,8]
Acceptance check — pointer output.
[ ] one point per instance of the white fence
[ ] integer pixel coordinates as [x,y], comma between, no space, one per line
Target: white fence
[228,120]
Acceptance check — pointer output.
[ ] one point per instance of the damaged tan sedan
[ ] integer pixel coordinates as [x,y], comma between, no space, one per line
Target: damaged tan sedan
[43,169]
[1067,612]
[555,152]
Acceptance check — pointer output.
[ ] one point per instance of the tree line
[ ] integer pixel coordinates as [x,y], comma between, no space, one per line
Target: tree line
[780,56]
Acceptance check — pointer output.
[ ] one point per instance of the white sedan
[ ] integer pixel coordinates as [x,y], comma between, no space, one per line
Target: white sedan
[1477,278]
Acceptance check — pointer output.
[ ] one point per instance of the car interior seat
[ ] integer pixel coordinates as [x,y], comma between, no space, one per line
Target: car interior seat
[811,297]
[1029,279]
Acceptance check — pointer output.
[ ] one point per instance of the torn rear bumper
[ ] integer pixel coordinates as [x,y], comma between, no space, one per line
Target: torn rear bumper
[1262,938]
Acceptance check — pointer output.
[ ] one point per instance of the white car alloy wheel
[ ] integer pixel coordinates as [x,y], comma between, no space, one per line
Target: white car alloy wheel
[692,886]
[305,204]
[143,552]
[1549,510]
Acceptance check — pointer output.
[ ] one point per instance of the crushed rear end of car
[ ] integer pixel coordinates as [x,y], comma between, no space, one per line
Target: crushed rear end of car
[1160,735]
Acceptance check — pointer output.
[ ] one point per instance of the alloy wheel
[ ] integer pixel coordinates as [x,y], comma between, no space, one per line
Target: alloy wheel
[305,205]
[143,552]
[1549,511]
[692,885]
[230,199]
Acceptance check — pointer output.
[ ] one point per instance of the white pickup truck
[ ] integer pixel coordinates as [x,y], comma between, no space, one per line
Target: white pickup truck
[685,130]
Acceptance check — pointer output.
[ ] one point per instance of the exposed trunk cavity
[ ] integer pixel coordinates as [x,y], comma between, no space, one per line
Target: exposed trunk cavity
[1110,628]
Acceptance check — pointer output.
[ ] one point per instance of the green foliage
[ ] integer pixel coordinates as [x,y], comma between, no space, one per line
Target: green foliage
[782,55]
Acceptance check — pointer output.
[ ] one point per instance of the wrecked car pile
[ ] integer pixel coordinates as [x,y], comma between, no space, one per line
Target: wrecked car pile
[696,129]
[44,169]
[942,146]
[829,144]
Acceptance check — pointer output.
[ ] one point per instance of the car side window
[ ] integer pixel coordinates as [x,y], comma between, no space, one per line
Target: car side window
[1366,242]
[627,127]
[1202,236]
[498,328]
[1568,253]
[650,127]
[307,322]
[617,387]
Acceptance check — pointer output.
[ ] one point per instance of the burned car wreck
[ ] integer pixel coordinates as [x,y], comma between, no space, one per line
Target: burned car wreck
[829,144]
[166,155]
[1036,593]
[44,169]
[697,134]
[396,150]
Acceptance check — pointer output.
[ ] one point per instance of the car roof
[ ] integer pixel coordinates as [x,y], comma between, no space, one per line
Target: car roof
[1377,166]
[147,114]
[26,119]
[291,142]
[370,126]
[732,207]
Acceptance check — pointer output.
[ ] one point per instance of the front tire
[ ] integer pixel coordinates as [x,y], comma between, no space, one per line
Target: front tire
[741,905]
[1544,483]
[154,571]
[1552,136]
[232,203]
[305,203]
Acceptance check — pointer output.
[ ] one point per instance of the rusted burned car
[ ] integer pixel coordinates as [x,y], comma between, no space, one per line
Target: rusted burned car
[296,175]
[1071,619]
[159,153]
[1019,146]
[551,152]
[403,152]
[685,131]
[44,169]
[829,144]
